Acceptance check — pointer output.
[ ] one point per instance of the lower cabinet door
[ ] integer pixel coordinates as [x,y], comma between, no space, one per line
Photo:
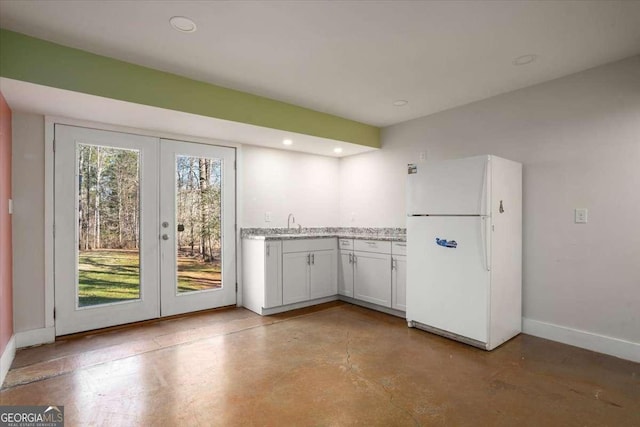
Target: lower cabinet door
[295,277]
[399,283]
[372,278]
[272,274]
[323,277]
[345,274]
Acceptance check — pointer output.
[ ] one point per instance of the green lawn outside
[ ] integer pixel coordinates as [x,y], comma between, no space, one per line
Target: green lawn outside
[107,276]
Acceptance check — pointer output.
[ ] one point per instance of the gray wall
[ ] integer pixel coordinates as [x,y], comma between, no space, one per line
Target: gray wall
[283,182]
[28,221]
[579,141]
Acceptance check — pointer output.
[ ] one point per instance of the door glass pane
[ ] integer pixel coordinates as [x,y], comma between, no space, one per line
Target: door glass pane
[108,225]
[198,219]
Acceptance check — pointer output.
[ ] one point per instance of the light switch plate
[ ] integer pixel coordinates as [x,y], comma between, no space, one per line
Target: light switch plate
[10,206]
[581,215]
[267,217]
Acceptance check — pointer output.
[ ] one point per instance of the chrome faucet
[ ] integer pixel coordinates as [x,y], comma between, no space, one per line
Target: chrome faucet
[290,219]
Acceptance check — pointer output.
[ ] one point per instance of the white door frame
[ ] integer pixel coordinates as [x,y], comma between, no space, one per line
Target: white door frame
[47,334]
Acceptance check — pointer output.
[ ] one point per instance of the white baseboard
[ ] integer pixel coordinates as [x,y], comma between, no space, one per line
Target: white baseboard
[602,344]
[35,337]
[7,358]
[376,307]
[297,305]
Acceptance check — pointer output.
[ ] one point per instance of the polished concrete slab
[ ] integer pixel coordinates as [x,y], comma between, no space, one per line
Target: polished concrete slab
[336,364]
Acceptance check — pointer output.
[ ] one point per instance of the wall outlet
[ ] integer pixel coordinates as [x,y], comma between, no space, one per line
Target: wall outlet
[581,215]
[267,217]
[423,156]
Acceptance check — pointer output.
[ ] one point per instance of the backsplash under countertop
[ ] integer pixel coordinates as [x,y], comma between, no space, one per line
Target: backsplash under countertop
[365,233]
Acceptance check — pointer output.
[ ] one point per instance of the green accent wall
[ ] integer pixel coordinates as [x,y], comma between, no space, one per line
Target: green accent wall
[38,61]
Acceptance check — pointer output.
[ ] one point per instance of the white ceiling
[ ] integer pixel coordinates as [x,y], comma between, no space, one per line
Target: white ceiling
[348,58]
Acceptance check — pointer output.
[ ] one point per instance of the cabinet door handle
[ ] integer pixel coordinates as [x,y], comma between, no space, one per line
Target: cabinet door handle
[313,259]
[308,259]
[355,259]
[268,250]
[350,258]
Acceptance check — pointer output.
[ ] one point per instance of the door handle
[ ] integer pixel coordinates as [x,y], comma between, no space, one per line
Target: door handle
[485,243]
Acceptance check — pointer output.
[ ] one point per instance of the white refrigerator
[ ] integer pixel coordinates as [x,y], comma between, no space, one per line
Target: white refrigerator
[464,249]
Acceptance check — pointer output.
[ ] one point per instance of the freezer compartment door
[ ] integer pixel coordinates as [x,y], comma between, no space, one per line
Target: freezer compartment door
[449,187]
[448,275]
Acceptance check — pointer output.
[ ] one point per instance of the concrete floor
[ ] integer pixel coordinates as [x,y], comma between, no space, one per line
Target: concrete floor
[335,364]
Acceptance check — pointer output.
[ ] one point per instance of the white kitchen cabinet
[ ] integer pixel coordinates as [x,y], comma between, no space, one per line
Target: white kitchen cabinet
[399,276]
[399,282]
[378,246]
[372,277]
[309,269]
[322,272]
[345,273]
[262,274]
[345,267]
[295,277]
[285,274]
[273,274]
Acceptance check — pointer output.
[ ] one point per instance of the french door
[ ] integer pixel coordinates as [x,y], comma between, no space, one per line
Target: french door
[144,228]
[197,210]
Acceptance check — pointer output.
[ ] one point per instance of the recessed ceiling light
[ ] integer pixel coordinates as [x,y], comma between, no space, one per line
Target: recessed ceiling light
[183,24]
[337,150]
[525,59]
[287,142]
[400,103]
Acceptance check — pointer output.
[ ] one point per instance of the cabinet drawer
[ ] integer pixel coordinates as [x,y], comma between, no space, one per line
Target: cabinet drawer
[399,248]
[308,245]
[377,246]
[345,243]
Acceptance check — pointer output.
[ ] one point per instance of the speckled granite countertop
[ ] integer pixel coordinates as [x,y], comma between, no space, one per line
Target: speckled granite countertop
[387,234]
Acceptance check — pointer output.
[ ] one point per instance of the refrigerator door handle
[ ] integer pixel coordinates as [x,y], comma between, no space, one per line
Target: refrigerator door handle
[485,204]
[485,240]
